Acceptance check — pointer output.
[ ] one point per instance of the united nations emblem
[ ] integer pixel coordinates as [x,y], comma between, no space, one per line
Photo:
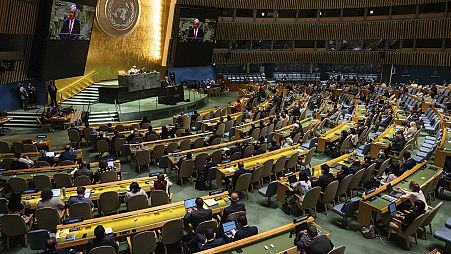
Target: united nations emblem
[118,17]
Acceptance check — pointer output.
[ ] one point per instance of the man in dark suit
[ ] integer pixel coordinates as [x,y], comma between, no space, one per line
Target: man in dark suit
[312,243]
[208,241]
[195,33]
[379,160]
[245,230]
[240,171]
[234,206]
[101,239]
[325,179]
[408,164]
[397,144]
[68,154]
[84,171]
[71,25]
[198,214]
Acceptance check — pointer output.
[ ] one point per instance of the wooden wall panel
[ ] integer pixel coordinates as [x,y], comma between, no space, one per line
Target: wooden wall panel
[397,58]
[391,29]
[302,4]
[18,17]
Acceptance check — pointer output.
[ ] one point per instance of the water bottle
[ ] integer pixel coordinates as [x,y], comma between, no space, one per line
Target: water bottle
[64,191]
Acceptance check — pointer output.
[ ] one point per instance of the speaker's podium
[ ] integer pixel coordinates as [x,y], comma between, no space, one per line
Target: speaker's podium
[171,95]
[134,87]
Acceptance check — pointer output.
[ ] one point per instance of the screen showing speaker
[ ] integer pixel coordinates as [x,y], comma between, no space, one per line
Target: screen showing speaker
[71,21]
[196,31]
[62,38]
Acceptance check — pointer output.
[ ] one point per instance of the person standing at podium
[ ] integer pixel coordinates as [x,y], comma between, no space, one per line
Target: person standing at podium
[166,82]
[71,25]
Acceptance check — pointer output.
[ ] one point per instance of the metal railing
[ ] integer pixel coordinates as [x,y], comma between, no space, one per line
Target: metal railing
[76,87]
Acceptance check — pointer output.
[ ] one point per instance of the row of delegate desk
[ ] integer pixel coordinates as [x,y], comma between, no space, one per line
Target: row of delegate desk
[43,143]
[279,134]
[29,173]
[95,190]
[227,170]
[376,203]
[277,240]
[126,224]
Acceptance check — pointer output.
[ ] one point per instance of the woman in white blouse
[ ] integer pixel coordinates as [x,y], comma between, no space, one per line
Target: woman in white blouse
[410,132]
[134,191]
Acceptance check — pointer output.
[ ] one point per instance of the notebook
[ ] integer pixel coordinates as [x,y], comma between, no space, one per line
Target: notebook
[210,202]
[50,154]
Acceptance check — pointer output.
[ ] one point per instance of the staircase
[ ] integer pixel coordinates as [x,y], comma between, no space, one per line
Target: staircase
[103,117]
[88,96]
[23,119]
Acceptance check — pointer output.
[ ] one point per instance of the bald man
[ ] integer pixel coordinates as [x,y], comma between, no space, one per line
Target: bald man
[71,25]
[235,206]
[195,33]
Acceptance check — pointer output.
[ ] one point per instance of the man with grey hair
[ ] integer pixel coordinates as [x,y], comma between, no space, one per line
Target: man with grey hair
[195,33]
[71,25]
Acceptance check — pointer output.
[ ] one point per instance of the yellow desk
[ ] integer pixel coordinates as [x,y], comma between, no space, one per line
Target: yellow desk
[283,185]
[202,112]
[210,123]
[383,142]
[333,134]
[326,107]
[175,157]
[35,155]
[359,113]
[41,143]
[134,148]
[228,169]
[146,183]
[277,237]
[284,132]
[374,203]
[28,174]
[444,149]
[129,223]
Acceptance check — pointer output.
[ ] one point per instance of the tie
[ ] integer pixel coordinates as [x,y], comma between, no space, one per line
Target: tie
[195,33]
[71,25]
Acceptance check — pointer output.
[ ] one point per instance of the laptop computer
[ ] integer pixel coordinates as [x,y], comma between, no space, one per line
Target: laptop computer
[50,154]
[393,193]
[228,228]
[56,192]
[392,209]
[190,203]
[111,164]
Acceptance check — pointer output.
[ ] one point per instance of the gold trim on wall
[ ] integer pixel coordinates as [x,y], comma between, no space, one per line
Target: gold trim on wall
[387,29]
[302,4]
[398,58]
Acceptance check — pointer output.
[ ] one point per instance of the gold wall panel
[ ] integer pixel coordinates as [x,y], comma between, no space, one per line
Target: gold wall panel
[397,58]
[18,17]
[302,4]
[387,29]
[143,47]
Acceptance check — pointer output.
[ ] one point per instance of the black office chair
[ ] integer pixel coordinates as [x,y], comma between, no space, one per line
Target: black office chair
[347,209]
[37,239]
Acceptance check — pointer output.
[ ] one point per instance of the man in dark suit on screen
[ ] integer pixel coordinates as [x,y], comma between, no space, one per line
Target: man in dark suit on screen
[71,25]
[195,33]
